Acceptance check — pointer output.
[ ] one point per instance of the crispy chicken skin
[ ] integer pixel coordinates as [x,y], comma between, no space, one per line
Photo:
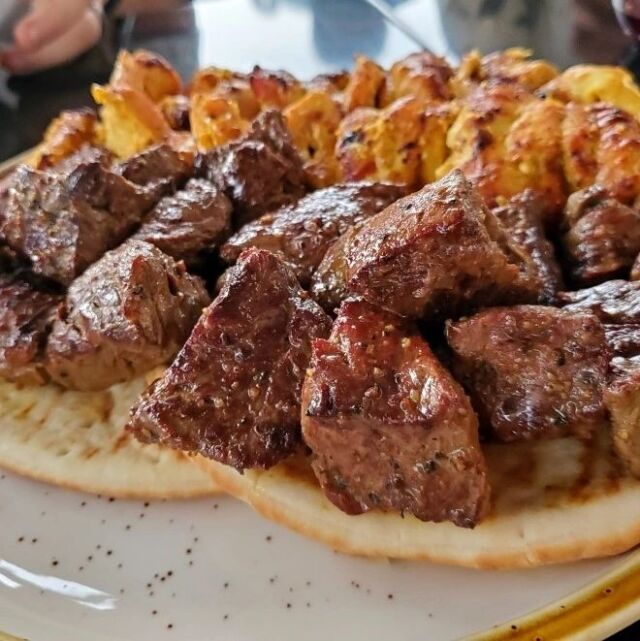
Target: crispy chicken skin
[301,233]
[233,392]
[129,312]
[615,302]
[532,372]
[435,253]
[521,217]
[603,237]
[388,426]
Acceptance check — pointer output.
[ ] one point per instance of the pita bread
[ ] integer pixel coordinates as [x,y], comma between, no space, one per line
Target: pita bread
[553,501]
[76,440]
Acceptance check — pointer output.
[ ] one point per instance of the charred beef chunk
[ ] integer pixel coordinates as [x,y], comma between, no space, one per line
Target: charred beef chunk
[615,302]
[302,232]
[233,392]
[62,224]
[389,427]
[259,172]
[623,340]
[160,169]
[189,222]
[522,218]
[26,314]
[603,237]
[130,311]
[532,372]
[434,253]
[622,399]
[85,155]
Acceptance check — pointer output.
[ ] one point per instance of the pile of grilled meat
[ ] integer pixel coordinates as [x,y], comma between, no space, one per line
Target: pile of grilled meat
[385,333]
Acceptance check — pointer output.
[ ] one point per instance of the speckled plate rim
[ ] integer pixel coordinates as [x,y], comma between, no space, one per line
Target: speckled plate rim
[598,610]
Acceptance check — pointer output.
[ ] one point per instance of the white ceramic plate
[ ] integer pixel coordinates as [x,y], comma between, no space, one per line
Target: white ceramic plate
[75,567]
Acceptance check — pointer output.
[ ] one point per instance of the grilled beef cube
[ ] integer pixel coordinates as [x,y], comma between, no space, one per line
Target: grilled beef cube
[522,218]
[616,301]
[435,253]
[26,314]
[129,312]
[86,154]
[233,392]
[160,169]
[302,232]
[259,172]
[603,237]
[623,340]
[622,399]
[532,372]
[189,222]
[389,427]
[62,224]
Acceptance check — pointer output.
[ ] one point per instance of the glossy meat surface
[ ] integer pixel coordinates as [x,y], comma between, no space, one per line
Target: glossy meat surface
[522,218]
[26,314]
[62,224]
[189,222]
[435,253]
[129,312]
[302,232]
[388,426]
[259,172]
[532,372]
[616,301]
[623,340]
[233,392]
[603,237]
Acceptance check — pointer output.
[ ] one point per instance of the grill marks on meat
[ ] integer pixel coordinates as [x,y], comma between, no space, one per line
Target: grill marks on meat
[603,237]
[388,426]
[616,301]
[26,314]
[63,223]
[189,222]
[130,311]
[259,172]
[233,392]
[433,254]
[532,372]
[302,232]
[522,219]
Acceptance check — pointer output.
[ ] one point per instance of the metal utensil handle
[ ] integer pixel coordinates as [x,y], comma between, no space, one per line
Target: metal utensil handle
[387,11]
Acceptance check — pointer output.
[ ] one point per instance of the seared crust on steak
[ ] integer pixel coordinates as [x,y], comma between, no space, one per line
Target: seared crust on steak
[129,312]
[259,172]
[616,301]
[302,232]
[233,392]
[435,253]
[532,372]
[388,426]
[189,222]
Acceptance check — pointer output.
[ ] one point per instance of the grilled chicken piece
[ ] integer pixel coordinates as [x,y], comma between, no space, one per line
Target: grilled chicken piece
[601,145]
[388,426]
[616,301]
[233,392]
[522,219]
[603,237]
[301,233]
[532,372]
[188,223]
[432,254]
[26,314]
[62,224]
[129,312]
[505,140]
[622,399]
[259,172]
[159,168]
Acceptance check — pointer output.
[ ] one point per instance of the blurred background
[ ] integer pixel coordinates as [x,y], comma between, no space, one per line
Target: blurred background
[306,37]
